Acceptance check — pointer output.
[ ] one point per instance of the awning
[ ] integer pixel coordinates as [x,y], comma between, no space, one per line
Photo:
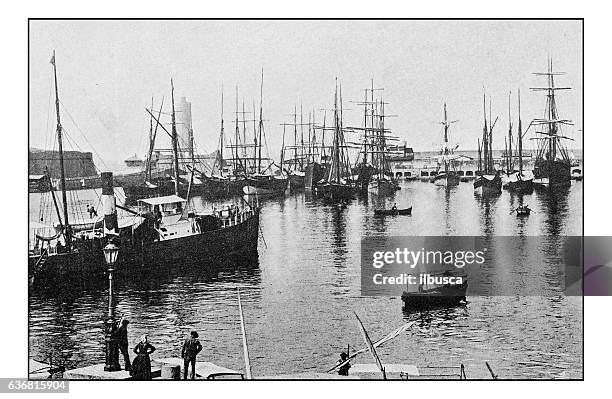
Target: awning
[169,199]
[130,221]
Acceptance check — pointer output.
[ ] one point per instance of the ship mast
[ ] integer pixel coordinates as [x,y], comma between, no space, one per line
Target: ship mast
[260,124]
[221,134]
[510,166]
[67,228]
[520,136]
[485,137]
[445,150]
[175,145]
[551,120]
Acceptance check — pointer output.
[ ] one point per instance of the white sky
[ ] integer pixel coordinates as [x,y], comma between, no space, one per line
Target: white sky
[108,71]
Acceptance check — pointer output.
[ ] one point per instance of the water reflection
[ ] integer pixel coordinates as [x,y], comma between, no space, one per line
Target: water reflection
[300,294]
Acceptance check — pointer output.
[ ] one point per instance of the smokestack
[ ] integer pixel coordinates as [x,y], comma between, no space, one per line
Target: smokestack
[108,202]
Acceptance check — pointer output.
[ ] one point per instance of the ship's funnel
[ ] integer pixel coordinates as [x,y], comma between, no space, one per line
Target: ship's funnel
[108,202]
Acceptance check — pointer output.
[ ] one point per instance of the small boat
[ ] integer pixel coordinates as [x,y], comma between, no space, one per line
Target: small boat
[522,210]
[441,296]
[437,294]
[392,212]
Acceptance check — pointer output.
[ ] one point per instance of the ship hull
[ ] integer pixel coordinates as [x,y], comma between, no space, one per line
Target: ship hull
[336,192]
[265,186]
[206,250]
[519,184]
[364,177]
[383,187]
[444,296]
[552,173]
[488,184]
[297,181]
[315,172]
[446,180]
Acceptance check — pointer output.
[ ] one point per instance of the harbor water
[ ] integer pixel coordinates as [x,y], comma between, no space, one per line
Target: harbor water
[299,296]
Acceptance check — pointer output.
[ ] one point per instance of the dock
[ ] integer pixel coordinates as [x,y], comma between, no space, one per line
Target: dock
[204,370]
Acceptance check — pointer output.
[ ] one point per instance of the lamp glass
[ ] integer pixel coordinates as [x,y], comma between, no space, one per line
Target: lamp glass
[110,254]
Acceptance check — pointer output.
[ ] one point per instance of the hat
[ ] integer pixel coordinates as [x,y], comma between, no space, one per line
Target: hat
[194,334]
[125,321]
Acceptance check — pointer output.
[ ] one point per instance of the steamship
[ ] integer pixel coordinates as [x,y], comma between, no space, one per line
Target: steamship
[159,233]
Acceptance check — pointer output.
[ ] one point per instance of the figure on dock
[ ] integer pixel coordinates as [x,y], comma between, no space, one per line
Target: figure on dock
[120,335]
[191,348]
[92,211]
[394,208]
[141,368]
[344,370]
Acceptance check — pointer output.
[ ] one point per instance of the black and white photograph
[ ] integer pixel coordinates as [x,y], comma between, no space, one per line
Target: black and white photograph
[309,199]
[206,197]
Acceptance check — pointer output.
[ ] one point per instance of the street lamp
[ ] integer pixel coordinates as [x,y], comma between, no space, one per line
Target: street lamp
[112,350]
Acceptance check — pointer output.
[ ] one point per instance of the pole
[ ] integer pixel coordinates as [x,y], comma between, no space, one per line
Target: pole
[520,136]
[175,145]
[245,346]
[260,123]
[67,230]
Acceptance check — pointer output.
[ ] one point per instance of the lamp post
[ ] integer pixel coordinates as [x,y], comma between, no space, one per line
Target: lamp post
[112,350]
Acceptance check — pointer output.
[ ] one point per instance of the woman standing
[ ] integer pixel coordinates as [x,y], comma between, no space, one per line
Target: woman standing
[141,367]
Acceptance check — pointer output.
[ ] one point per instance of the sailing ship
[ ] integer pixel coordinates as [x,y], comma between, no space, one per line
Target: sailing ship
[254,173]
[446,174]
[552,166]
[219,182]
[297,158]
[489,180]
[373,171]
[317,166]
[157,234]
[519,181]
[338,184]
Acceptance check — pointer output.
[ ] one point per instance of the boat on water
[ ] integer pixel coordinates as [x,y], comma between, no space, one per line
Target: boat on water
[436,295]
[254,172]
[552,166]
[373,171]
[265,185]
[392,212]
[159,233]
[488,180]
[446,174]
[488,183]
[338,185]
[520,181]
[522,210]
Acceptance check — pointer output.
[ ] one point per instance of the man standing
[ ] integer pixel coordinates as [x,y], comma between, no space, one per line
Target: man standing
[191,348]
[120,335]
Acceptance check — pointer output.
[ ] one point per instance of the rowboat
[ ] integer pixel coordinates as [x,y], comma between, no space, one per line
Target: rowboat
[392,212]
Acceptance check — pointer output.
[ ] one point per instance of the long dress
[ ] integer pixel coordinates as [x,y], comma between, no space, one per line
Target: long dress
[141,367]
